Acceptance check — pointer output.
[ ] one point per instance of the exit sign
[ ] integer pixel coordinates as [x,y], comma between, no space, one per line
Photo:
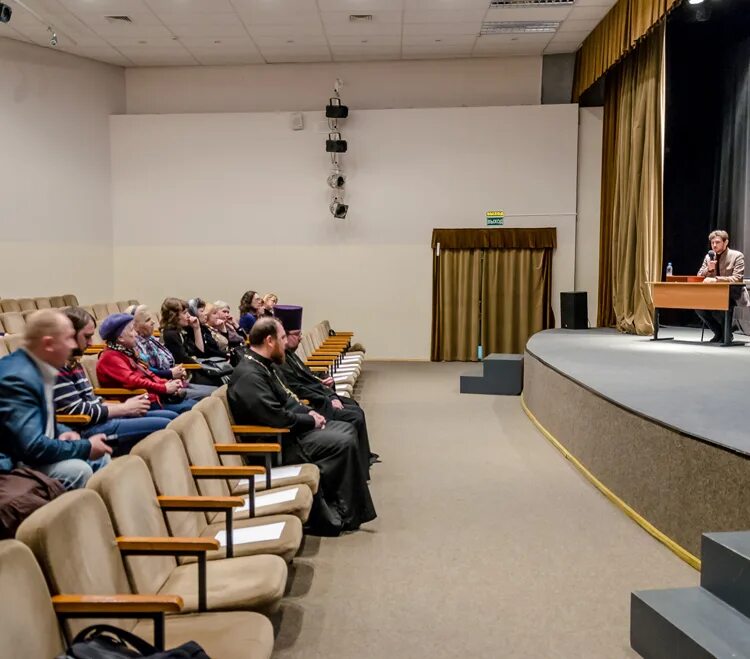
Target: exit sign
[495,218]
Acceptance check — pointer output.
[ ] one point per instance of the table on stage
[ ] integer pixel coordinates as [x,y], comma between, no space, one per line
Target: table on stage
[690,292]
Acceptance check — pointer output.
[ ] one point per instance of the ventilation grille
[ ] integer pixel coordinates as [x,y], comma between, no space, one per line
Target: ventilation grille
[529,3]
[118,19]
[519,27]
[360,18]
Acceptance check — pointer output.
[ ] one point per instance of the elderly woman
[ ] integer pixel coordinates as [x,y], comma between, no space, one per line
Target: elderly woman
[251,306]
[120,366]
[211,346]
[159,359]
[226,337]
[270,300]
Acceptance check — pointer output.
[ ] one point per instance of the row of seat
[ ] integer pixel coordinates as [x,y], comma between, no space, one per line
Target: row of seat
[180,537]
[32,304]
[327,352]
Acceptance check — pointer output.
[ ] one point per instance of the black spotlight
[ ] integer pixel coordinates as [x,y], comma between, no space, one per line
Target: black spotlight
[336,180]
[334,143]
[5,13]
[338,210]
[334,109]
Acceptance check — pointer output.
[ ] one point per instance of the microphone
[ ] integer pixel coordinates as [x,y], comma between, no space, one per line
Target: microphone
[712,257]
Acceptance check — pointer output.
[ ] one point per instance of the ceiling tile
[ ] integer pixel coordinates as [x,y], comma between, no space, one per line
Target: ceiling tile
[351,54]
[360,6]
[212,58]
[500,41]
[291,41]
[595,3]
[569,37]
[438,41]
[588,13]
[418,52]
[190,18]
[440,29]
[291,31]
[226,43]
[280,55]
[191,6]
[446,5]
[278,12]
[235,29]
[106,7]
[378,18]
[558,48]
[577,26]
[427,16]
[369,41]
[528,14]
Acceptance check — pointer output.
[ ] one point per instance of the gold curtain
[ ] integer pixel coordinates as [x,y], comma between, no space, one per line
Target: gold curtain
[619,32]
[516,298]
[455,304]
[634,184]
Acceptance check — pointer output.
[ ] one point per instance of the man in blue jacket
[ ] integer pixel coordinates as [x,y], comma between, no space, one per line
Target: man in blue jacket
[29,434]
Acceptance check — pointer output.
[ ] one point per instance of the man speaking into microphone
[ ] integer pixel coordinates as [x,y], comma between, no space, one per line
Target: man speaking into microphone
[723,264]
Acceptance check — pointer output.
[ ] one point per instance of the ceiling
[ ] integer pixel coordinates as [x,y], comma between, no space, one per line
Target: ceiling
[226,32]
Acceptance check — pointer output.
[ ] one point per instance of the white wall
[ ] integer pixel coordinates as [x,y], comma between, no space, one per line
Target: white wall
[215,204]
[306,87]
[589,198]
[54,159]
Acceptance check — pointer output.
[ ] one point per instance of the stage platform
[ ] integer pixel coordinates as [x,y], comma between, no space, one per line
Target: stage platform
[661,424]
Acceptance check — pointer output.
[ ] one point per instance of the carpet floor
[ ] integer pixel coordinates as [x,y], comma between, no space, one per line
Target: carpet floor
[488,543]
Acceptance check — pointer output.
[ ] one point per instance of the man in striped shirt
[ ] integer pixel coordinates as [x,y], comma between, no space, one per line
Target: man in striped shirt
[128,422]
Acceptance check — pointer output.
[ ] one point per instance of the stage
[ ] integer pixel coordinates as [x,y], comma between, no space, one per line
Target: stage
[662,424]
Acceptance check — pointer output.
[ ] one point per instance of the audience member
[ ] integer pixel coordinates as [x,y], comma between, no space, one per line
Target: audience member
[258,396]
[182,336]
[120,366]
[130,421]
[30,434]
[159,359]
[270,300]
[251,307]
[226,338]
[211,348]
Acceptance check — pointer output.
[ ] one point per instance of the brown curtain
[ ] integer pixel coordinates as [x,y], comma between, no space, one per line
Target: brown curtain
[632,186]
[455,304]
[516,298]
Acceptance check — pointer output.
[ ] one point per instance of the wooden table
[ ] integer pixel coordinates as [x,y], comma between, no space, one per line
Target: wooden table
[681,292]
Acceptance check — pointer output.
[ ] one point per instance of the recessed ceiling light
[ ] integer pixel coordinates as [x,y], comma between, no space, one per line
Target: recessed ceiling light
[438,40]
[217,41]
[363,41]
[143,41]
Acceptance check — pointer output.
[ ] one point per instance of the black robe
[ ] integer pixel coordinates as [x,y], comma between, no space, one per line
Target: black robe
[257,396]
[302,381]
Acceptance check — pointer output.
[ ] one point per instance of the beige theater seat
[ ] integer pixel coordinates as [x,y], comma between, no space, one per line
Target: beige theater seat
[26,304]
[75,545]
[165,456]
[122,305]
[42,303]
[3,347]
[249,582]
[100,311]
[112,308]
[70,300]
[13,342]
[58,301]
[223,432]
[13,322]
[201,452]
[9,304]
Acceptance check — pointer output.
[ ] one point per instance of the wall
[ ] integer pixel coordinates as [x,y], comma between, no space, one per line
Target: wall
[306,87]
[55,201]
[214,204]
[589,198]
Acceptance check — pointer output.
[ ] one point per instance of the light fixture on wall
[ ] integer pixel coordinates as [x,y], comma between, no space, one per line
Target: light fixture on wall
[336,145]
[5,13]
[336,180]
[52,37]
[338,210]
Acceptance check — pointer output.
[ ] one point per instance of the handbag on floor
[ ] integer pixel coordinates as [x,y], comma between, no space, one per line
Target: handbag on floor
[108,642]
[22,491]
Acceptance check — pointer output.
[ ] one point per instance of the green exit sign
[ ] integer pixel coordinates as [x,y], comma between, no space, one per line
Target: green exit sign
[495,218]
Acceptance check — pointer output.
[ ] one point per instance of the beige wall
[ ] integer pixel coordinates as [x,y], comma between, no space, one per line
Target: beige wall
[54,159]
[589,196]
[215,204]
[367,86]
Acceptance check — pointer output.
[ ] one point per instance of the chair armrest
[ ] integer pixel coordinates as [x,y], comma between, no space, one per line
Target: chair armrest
[343,334]
[317,360]
[192,367]
[116,391]
[238,429]
[227,472]
[318,369]
[93,350]
[200,503]
[114,604]
[166,544]
[326,353]
[239,449]
[73,418]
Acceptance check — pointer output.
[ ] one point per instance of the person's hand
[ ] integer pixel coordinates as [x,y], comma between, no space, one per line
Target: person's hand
[173,386]
[70,434]
[137,405]
[709,280]
[178,372]
[320,420]
[98,447]
[194,322]
[336,404]
[712,267]
[328,382]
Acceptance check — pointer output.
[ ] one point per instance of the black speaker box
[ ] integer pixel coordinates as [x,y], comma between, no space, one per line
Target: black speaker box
[574,310]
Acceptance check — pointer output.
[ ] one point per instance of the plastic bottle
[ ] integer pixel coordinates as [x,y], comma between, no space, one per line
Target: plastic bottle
[669,269]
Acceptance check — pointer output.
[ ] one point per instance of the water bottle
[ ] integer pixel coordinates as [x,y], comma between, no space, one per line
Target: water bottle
[669,269]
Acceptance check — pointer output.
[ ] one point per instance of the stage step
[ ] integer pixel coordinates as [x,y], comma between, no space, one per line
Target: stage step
[725,567]
[686,623]
[501,374]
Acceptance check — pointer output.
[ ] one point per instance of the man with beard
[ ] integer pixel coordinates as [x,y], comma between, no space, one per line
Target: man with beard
[257,396]
[303,383]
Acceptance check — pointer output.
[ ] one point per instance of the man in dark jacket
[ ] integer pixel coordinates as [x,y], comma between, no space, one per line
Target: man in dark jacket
[29,434]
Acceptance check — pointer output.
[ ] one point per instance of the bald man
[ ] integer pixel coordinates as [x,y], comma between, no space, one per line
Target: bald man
[29,434]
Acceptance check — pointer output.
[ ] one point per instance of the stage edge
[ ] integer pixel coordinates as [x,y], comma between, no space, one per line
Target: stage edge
[680,551]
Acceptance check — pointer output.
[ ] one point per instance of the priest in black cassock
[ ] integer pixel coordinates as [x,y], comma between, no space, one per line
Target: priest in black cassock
[305,385]
[258,396]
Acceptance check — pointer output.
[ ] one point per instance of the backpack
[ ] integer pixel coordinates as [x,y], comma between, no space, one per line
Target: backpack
[108,642]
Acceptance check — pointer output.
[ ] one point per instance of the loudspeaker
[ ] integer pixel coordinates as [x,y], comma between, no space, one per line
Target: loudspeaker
[574,310]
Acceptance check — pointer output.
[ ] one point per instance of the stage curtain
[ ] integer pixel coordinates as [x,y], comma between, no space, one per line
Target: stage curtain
[516,298]
[456,281]
[494,238]
[624,26]
[637,86]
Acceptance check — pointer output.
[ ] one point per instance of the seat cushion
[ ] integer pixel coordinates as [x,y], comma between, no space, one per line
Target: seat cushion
[254,583]
[294,500]
[308,475]
[231,635]
[285,546]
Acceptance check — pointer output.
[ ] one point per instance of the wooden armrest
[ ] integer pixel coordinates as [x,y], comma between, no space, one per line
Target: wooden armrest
[317,360]
[318,369]
[238,429]
[326,353]
[238,449]
[116,391]
[166,544]
[200,503]
[117,604]
[192,367]
[73,418]
[227,472]
[343,334]
[93,351]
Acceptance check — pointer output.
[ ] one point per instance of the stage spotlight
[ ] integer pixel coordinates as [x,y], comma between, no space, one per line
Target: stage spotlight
[338,210]
[334,109]
[334,143]
[336,180]
[695,2]
[5,13]
[52,37]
